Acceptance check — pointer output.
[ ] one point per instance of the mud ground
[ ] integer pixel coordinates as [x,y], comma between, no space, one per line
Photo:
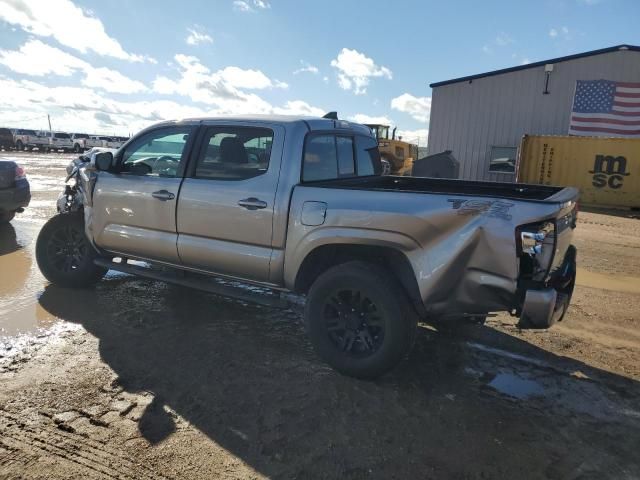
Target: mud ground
[137,379]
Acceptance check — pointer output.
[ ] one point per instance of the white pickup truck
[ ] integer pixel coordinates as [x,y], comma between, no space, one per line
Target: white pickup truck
[298,206]
[25,139]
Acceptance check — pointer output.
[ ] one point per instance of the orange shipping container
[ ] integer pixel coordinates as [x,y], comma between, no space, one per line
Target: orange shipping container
[606,170]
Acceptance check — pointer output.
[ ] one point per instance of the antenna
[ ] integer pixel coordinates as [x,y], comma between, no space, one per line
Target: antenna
[331,115]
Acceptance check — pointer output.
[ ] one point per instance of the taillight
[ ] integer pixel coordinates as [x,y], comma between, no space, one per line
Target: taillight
[20,173]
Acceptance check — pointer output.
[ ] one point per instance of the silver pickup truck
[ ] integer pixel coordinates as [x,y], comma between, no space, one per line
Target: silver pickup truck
[298,206]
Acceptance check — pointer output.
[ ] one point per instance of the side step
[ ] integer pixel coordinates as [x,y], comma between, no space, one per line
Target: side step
[206,283]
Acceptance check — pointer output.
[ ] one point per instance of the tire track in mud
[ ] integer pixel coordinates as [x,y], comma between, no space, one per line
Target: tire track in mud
[25,444]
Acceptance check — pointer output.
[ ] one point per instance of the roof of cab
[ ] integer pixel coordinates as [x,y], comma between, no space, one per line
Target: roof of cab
[312,123]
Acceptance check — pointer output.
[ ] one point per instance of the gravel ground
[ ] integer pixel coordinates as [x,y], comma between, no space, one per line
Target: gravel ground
[138,379]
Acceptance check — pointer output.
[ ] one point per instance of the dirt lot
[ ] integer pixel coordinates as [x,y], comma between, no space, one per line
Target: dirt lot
[137,379]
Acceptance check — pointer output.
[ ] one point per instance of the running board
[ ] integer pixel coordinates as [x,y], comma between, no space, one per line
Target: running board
[203,282]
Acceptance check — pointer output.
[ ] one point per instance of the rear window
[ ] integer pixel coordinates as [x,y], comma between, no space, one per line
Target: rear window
[61,135]
[26,132]
[328,157]
[80,135]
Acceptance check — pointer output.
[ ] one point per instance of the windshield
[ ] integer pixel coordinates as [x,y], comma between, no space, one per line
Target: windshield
[80,135]
[61,135]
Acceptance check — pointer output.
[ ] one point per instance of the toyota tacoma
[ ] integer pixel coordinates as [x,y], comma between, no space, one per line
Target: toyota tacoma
[297,206]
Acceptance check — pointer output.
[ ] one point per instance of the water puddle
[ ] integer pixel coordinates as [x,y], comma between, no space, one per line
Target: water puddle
[515,386]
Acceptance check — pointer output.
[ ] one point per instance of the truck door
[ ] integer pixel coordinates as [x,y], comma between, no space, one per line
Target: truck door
[226,205]
[134,209]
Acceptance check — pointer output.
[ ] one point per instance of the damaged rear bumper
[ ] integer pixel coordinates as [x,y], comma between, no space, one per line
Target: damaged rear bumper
[545,306]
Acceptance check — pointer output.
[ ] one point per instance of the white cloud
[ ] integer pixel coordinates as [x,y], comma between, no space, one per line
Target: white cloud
[525,61]
[246,6]
[562,32]
[364,118]
[503,39]
[37,59]
[250,79]
[111,81]
[82,108]
[197,37]
[69,24]
[298,107]
[418,137]
[356,69]
[226,89]
[418,107]
[306,68]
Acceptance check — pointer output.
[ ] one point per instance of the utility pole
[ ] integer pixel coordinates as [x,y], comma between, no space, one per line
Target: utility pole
[49,120]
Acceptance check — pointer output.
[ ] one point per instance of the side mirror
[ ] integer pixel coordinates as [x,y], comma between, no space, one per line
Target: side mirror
[103,161]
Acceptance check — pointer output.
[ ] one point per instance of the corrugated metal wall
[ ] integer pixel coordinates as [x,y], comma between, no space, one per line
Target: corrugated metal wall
[469,117]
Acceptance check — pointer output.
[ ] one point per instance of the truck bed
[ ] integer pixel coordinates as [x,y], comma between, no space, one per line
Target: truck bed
[516,191]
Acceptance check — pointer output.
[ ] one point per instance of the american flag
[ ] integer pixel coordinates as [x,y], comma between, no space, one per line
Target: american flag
[606,108]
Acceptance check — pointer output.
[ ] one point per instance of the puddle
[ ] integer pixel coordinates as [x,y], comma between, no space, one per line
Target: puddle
[515,386]
[604,281]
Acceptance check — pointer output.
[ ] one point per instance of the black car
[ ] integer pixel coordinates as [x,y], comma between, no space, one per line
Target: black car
[6,139]
[14,190]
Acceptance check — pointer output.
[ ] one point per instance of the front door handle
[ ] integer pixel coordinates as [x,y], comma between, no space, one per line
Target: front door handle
[252,203]
[163,195]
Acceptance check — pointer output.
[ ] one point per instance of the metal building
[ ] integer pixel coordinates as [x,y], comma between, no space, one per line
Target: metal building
[482,118]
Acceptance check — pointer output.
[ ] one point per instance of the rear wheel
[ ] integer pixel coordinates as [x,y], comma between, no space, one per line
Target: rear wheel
[359,319]
[6,217]
[19,145]
[64,254]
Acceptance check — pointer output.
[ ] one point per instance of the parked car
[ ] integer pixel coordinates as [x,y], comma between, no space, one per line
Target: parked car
[298,205]
[14,190]
[25,139]
[79,141]
[6,139]
[109,142]
[59,141]
[92,142]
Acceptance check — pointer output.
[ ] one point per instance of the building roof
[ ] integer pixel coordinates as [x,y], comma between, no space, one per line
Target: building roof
[538,64]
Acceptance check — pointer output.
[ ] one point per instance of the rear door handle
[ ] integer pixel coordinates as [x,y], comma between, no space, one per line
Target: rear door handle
[252,203]
[163,195]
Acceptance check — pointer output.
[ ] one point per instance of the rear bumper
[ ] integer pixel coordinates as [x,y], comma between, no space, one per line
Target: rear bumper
[15,197]
[545,306]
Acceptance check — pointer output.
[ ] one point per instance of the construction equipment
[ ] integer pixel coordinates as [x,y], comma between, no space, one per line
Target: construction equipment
[397,156]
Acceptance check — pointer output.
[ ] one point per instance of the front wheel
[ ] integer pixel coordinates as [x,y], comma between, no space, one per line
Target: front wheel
[359,319]
[64,254]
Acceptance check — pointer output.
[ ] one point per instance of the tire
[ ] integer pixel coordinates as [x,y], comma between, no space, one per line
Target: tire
[76,148]
[64,254]
[355,334]
[19,145]
[6,217]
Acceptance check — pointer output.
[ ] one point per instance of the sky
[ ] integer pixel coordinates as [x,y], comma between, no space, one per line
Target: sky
[117,66]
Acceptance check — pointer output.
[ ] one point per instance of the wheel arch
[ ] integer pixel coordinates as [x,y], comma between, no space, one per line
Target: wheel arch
[392,259]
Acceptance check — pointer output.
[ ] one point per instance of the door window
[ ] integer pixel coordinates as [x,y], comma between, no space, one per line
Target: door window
[157,153]
[235,153]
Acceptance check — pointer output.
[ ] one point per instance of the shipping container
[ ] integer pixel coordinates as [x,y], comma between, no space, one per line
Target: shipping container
[606,170]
